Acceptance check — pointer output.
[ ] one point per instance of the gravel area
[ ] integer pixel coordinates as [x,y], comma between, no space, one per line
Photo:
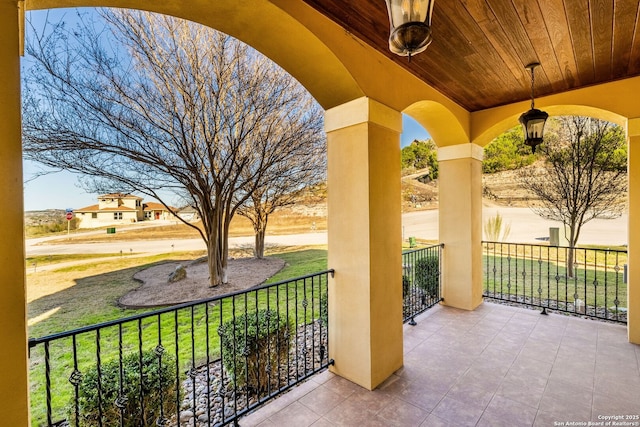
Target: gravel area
[211,394]
[156,289]
[588,312]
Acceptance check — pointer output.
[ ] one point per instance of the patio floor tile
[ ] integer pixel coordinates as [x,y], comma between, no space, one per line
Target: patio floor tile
[495,366]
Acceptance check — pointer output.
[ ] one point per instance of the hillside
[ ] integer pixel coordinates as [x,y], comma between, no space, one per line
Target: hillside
[501,188]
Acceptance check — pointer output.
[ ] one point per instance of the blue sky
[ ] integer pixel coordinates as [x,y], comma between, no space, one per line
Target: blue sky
[61,190]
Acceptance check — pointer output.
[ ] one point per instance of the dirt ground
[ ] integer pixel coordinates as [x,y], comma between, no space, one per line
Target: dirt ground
[156,290]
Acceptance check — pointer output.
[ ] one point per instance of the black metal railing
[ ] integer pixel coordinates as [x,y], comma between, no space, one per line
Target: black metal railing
[421,272]
[581,281]
[202,363]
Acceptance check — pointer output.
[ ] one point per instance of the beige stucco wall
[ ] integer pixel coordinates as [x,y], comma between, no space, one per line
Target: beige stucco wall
[14,402]
[365,296]
[460,224]
[104,219]
[633,280]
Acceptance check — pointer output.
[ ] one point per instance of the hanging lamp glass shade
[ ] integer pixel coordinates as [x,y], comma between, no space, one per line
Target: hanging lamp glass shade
[410,22]
[533,122]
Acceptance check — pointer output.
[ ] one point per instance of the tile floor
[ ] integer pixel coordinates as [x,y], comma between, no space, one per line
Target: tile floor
[495,366]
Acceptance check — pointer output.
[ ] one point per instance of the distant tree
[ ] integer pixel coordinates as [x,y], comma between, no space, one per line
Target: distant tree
[507,152]
[584,175]
[420,155]
[300,166]
[157,105]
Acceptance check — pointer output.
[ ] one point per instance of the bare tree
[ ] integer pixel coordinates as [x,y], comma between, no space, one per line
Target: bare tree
[584,176]
[303,166]
[157,105]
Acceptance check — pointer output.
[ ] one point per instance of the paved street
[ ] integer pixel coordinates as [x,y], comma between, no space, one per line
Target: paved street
[165,245]
[526,227]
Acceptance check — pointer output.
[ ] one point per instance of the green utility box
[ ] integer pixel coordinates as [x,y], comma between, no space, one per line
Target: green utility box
[412,242]
[111,230]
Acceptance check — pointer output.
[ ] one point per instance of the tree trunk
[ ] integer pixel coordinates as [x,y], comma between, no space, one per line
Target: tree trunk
[570,257]
[212,262]
[571,251]
[214,252]
[258,251]
[260,230]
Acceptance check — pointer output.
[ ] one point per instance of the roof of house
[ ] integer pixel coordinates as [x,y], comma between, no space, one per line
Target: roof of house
[92,208]
[154,206]
[118,196]
[188,209]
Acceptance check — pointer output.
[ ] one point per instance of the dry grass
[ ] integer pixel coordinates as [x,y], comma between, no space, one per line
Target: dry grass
[84,294]
[285,222]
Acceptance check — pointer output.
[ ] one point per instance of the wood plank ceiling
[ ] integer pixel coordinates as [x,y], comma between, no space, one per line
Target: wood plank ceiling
[480,47]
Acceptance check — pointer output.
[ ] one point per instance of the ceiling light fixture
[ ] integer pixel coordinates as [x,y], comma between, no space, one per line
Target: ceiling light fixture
[533,121]
[410,22]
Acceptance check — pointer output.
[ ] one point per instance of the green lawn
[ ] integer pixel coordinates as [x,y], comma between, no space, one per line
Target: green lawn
[183,332]
[541,272]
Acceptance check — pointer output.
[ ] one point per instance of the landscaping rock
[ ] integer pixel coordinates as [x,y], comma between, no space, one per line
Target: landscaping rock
[180,273]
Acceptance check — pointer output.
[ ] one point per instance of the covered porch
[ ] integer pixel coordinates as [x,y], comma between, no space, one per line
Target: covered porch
[495,366]
[468,87]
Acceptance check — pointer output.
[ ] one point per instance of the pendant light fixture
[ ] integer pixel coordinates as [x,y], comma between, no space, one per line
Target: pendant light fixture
[410,22]
[533,121]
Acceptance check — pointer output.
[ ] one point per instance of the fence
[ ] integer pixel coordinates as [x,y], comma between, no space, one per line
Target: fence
[202,363]
[580,281]
[421,272]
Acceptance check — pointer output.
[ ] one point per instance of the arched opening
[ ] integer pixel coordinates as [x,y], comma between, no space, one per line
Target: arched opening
[42,399]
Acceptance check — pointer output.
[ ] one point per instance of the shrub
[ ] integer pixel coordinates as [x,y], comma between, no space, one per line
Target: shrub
[158,390]
[324,309]
[427,274]
[420,155]
[495,230]
[507,152]
[405,286]
[252,345]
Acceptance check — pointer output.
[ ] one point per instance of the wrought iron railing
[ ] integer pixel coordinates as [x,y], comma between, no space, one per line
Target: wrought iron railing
[202,363]
[421,272]
[581,281]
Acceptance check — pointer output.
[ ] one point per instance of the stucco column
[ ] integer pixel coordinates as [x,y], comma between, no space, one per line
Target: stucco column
[365,296]
[633,278]
[14,399]
[460,224]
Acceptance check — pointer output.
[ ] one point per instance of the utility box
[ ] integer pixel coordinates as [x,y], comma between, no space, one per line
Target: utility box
[412,242]
[111,230]
[554,236]
[557,239]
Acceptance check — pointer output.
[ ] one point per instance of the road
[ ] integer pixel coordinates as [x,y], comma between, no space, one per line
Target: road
[526,227]
[40,246]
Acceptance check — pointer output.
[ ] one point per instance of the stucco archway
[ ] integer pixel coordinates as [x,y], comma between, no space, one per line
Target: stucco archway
[443,125]
[262,25]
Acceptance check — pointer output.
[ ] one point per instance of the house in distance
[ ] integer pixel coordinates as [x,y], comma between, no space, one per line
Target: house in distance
[120,209]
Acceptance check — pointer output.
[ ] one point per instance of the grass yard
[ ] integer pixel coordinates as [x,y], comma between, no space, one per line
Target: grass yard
[85,300]
[541,272]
